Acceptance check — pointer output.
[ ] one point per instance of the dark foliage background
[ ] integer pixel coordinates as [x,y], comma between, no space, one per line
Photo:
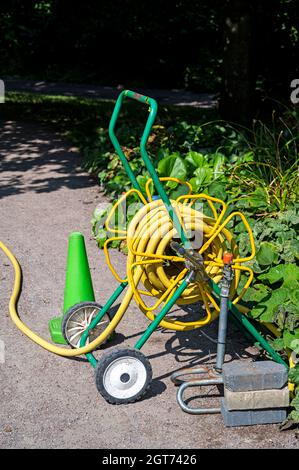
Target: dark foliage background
[158,43]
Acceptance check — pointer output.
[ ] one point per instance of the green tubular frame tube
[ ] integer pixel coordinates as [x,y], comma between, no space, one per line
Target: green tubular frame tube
[98,318]
[116,144]
[241,328]
[153,107]
[155,323]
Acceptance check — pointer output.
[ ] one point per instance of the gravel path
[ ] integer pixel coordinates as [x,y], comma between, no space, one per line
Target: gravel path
[49,401]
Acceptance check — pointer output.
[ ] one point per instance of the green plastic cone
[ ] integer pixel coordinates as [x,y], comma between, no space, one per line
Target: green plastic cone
[78,283]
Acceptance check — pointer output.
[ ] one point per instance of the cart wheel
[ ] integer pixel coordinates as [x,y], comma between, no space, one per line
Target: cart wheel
[78,318]
[123,376]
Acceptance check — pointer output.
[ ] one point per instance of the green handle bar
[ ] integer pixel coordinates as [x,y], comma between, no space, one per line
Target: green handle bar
[152,116]
[153,107]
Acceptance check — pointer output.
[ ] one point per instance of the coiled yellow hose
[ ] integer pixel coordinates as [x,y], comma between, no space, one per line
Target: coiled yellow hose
[148,262]
[152,263]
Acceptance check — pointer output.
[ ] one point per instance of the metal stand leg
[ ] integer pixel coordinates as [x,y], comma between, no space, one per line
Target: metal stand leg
[222,324]
[212,376]
[149,331]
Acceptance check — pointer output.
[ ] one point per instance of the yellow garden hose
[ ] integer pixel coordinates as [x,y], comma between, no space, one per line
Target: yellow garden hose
[151,263]
[148,239]
[33,336]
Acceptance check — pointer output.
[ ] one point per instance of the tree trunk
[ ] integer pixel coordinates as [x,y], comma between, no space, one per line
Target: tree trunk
[236,102]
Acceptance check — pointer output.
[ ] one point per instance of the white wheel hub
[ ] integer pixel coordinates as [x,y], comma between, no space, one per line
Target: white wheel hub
[80,320]
[124,377]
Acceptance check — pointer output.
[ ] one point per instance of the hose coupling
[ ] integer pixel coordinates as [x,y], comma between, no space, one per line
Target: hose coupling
[227,275]
[193,261]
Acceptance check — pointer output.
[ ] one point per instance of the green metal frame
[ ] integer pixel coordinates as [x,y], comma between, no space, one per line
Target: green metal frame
[153,108]
[241,321]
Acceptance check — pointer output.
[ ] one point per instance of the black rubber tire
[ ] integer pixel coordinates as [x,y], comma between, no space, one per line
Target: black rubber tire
[69,313]
[105,361]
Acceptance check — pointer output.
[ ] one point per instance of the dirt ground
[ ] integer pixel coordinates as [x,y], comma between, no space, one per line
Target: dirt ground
[52,402]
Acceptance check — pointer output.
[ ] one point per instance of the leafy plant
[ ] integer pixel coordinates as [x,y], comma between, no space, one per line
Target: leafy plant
[294,378]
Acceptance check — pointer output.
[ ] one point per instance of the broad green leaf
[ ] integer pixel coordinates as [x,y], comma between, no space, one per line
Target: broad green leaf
[203,176]
[266,254]
[141,180]
[266,310]
[257,293]
[289,337]
[195,184]
[101,237]
[289,248]
[179,191]
[295,402]
[294,375]
[165,166]
[217,189]
[295,345]
[290,216]
[218,163]
[259,198]
[293,288]
[285,272]
[257,268]
[174,167]
[196,160]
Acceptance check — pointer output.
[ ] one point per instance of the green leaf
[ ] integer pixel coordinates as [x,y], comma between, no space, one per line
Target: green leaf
[290,248]
[289,337]
[295,402]
[179,191]
[217,189]
[259,198]
[286,272]
[203,176]
[174,167]
[278,344]
[266,254]
[99,213]
[141,180]
[295,345]
[294,375]
[266,310]
[218,163]
[294,415]
[257,293]
[195,185]
[293,288]
[101,237]
[196,160]
[290,217]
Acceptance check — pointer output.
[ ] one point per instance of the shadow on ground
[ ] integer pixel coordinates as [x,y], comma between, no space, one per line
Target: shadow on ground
[188,348]
[27,163]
